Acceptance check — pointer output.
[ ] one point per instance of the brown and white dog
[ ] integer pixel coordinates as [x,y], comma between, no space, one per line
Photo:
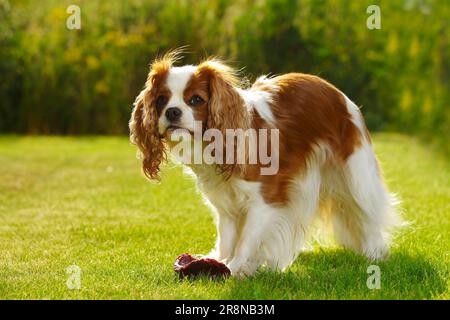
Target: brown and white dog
[327,169]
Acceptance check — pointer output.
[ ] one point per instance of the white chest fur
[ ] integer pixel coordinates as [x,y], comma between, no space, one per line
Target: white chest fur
[231,197]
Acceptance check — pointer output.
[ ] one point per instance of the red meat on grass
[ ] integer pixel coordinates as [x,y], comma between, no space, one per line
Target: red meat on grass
[187,265]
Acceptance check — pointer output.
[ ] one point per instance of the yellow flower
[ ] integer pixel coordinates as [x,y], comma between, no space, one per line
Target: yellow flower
[56,15]
[72,54]
[392,45]
[101,87]
[406,101]
[116,38]
[427,105]
[135,39]
[414,48]
[149,29]
[92,63]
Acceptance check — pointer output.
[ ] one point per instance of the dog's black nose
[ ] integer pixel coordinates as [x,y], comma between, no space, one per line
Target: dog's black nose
[173,114]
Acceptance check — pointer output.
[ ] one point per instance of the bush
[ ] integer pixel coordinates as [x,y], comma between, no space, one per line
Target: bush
[56,80]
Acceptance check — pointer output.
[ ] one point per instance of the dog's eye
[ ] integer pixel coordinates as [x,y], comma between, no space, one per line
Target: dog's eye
[161,102]
[195,100]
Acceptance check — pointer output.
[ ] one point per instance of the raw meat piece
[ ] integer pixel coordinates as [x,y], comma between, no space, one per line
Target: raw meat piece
[187,265]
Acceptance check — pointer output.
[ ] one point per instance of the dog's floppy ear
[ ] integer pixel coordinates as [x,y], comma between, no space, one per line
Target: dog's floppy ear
[144,118]
[225,104]
[226,109]
[144,131]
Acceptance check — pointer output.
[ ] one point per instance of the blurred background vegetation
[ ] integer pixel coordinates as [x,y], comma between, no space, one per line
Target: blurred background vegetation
[60,81]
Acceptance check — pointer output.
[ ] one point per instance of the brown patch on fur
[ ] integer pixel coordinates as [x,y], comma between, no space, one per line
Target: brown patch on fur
[308,111]
[144,119]
[198,85]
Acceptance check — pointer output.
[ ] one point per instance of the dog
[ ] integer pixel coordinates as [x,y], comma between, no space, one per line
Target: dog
[327,170]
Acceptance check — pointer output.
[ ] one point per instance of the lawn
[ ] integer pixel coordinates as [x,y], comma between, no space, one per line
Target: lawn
[83,201]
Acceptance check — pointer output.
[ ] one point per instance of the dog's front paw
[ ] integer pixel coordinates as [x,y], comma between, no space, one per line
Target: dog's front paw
[216,255]
[241,269]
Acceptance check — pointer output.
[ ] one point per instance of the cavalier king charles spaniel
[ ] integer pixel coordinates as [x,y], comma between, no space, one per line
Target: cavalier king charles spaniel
[327,171]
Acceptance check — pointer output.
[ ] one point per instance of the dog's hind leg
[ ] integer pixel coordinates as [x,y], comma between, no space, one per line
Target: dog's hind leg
[365,214]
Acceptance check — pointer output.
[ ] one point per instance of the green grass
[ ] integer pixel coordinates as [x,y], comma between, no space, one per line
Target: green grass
[83,201]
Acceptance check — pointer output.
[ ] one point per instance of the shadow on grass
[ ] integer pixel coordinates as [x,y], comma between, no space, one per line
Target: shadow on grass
[342,275]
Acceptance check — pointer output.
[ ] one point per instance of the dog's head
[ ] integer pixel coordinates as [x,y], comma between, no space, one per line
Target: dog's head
[177,98]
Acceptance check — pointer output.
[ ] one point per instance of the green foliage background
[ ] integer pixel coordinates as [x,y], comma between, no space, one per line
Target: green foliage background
[55,80]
